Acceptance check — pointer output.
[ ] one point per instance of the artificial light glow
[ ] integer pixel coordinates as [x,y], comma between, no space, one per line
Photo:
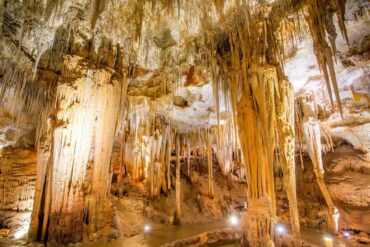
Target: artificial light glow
[147,228]
[346,234]
[280,229]
[233,220]
[20,233]
[328,241]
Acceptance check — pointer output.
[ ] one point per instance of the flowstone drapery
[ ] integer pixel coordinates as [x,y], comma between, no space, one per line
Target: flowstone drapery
[73,171]
[168,51]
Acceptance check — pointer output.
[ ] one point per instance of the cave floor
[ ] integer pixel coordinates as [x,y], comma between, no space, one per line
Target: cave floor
[317,237]
[162,234]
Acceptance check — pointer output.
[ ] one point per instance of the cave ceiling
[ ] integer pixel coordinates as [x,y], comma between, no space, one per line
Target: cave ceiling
[160,46]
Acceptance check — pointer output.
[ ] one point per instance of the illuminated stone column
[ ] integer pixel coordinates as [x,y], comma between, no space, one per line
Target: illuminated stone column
[258,218]
[73,176]
[286,144]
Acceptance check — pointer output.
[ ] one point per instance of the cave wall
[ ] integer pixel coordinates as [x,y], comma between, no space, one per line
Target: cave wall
[86,83]
[346,175]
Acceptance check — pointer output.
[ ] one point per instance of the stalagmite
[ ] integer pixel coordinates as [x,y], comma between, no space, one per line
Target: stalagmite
[122,118]
[312,135]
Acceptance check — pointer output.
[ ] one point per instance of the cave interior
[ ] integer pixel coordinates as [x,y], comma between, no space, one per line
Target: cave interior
[185,123]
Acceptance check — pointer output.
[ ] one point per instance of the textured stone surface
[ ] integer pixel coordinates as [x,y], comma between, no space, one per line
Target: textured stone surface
[118,94]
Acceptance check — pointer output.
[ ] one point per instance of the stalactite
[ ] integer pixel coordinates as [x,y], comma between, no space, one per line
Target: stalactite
[97,7]
[1,14]
[144,144]
[210,164]
[227,146]
[151,168]
[28,94]
[244,59]
[298,130]
[319,18]
[177,218]
[168,158]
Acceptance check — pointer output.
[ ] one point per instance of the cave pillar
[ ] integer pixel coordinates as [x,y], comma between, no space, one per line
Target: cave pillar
[312,135]
[73,166]
[258,219]
[286,143]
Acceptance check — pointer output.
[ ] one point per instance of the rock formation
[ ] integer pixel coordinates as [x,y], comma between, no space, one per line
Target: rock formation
[115,115]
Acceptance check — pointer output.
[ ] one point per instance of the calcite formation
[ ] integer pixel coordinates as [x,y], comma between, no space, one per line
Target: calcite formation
[161,110]
[73,152]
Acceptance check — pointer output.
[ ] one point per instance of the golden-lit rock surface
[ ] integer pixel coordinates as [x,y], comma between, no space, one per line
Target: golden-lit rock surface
[121,117]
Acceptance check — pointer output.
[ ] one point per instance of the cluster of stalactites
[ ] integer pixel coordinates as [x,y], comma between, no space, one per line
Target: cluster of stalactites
[254,39]
[256,33]
[319,15]
[150,138]
[23,92]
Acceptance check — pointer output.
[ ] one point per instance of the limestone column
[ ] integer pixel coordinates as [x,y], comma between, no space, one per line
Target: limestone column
[73,167]
[286,142]
[257,218]
[254,134]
